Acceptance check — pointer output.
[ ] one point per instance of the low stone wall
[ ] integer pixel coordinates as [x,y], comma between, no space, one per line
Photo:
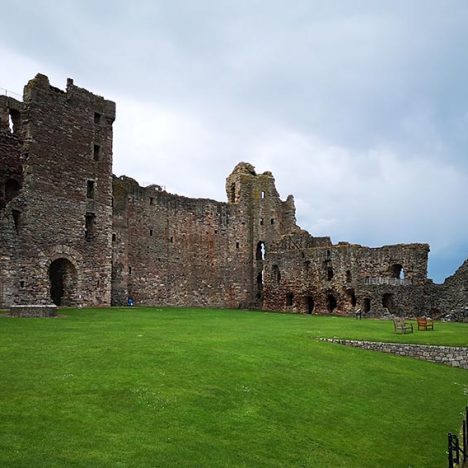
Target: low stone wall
[454,356]
[49,310]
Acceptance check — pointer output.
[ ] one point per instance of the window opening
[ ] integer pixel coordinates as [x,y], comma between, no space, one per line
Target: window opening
[261,251]
[90,189]
[352,297]
[396,271]
[97,118]
[90,225]
[329,273]
[367,305]
[310,304]
[96,152]
[262,195]
[331,303]
[387,301]
[151,232]
[237,245]
[12,188]
[348,276]
[114,237]
[272,221]
[289,299]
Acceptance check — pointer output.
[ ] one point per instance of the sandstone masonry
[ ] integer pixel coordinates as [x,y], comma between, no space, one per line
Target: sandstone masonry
[71,233]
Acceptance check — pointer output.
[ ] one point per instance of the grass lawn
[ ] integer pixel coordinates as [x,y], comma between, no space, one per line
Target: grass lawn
[196,387]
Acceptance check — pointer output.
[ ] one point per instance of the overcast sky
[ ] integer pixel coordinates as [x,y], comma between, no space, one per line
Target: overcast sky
[359,108]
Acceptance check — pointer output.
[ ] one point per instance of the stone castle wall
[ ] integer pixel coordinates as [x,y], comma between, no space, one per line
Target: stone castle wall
[64,206]
[73,234]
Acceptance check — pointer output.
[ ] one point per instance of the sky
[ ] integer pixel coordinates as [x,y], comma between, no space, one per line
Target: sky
[359,108]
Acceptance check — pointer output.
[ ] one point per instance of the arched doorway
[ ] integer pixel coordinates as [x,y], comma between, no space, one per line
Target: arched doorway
[310,304]
[63,279]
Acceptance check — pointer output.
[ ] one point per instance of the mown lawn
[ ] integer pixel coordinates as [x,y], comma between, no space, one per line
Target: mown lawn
[196,387]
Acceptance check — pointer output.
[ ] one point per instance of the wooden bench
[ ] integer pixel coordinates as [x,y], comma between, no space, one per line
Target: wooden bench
[425,324]
[400,325]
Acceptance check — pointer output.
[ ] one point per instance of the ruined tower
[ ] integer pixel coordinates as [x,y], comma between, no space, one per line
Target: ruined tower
[56,222]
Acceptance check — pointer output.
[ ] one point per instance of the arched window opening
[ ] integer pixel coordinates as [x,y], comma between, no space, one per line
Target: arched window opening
[261,251]
[289,299]
[352,297]
[276,274]
[366,305]
[331,303]
[12,189]
[396,271]
[63,282]
[262,195]
[329,273]
[348,276]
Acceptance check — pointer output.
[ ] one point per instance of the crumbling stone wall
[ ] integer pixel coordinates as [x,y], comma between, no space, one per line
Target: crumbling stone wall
[11,180]
[64,207]
[340,278]
[175,250]
[73,234]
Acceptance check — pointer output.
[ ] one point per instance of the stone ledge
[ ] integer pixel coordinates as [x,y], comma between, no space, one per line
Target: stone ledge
[33,310]
[454,356]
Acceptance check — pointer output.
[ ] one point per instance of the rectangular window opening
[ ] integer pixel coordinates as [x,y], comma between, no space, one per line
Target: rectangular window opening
[90,189]
[96,152]
[90,226]
[16,220]
[97,118]
[114,237]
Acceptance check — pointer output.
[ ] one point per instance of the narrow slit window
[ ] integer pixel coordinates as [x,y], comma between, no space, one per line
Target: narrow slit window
[16,220]
[237,245]
[90,189]
[151,233]
[96,152]
[97,118]
[114,237]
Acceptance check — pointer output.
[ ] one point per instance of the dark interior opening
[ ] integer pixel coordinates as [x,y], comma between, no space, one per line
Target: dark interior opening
[96,152]
[396,271]
[329,273]
[289,299]
[90,226]
[331,303]
[348,276]
[352,297]
[367,305]
[90,189]
[62,276]
[387,301]
[16,220]
[310,304]
[12,188]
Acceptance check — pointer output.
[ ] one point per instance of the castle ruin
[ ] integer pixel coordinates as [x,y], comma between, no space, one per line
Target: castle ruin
[73,234]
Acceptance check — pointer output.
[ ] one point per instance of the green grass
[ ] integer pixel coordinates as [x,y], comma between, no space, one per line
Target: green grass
[195,387]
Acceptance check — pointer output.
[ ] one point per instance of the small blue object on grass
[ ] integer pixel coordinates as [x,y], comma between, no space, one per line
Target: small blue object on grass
[130,302]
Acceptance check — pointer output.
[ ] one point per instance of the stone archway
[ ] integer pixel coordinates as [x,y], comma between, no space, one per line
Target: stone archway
[63,282]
